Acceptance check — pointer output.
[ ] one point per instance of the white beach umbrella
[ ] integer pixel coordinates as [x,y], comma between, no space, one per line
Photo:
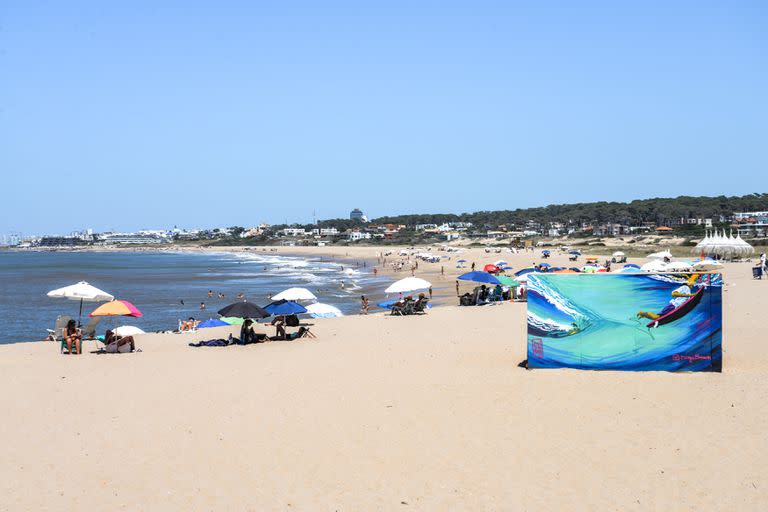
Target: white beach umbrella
[707,264]
[295,294]
[409,284]
[618,254]
[127,330]
[678,266]
[654,266]
[320,310]
[82,292]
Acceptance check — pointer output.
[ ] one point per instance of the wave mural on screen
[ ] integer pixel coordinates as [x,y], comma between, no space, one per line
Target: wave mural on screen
[625,321]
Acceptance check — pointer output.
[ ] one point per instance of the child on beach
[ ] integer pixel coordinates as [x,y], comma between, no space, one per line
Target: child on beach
[364,305]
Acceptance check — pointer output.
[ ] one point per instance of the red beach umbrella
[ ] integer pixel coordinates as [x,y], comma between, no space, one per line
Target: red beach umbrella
[491,269]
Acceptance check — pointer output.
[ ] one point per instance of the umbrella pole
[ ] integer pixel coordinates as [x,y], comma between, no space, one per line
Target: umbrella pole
[80,315]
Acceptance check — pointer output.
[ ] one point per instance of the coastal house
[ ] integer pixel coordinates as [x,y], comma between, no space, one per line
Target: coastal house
[356,236]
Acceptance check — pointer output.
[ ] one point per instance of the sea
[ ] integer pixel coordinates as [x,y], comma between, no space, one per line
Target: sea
[166,286]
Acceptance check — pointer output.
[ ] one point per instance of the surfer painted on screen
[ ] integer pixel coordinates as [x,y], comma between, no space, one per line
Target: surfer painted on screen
[680,296]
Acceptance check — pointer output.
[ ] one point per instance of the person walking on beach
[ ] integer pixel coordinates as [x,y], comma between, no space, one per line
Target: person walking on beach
[364,305]
[763,263]
[442,271]
[473,266]
[457,288]
[375,271]
[430,293]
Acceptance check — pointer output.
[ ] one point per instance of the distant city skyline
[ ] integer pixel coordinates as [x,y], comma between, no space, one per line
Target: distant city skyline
[123,117]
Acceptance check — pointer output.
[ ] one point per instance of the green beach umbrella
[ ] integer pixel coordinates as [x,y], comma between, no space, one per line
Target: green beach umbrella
[507,281]
[232,320]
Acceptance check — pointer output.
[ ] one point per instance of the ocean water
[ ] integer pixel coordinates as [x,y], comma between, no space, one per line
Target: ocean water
[590,322]
[165,286]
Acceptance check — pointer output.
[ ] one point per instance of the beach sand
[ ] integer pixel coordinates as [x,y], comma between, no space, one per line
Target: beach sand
[386,413]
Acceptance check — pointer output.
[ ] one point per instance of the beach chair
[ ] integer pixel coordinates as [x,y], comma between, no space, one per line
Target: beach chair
[57,333]
[89,331]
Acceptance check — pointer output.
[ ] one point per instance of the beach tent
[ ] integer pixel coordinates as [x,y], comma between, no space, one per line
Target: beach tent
[243,309]
[285,307]
[295,294]
[127,330]
[409,284]
[320,310]
[82,292]
[480,277]
[212,323]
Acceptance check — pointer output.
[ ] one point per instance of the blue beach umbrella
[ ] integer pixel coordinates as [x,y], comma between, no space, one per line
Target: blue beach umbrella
[212,323]
[480,277]
[285,307]
[386,304]
[525,271]
[546,265]
[631,265]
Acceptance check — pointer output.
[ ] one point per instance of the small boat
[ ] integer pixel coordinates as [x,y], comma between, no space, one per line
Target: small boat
[680,311]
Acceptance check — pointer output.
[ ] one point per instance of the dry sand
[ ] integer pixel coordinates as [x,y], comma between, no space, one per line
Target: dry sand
[383,413]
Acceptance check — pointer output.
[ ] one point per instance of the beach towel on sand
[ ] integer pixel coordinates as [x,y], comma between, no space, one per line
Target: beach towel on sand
[210,343]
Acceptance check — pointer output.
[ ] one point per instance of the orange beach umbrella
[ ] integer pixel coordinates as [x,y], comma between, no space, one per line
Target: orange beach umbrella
[117,308]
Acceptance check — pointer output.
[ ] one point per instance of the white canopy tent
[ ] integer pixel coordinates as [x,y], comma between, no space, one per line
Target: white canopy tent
[718,245]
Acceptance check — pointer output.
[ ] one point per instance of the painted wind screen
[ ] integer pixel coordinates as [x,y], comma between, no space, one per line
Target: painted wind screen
[640,322]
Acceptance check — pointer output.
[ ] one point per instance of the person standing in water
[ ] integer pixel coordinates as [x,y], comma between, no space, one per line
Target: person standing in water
[364,305]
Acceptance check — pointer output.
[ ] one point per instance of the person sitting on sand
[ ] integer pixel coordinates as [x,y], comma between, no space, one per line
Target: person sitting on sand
[279,323]
[72,336]
[679,296]
[188,325]
[113,342]
[248,335]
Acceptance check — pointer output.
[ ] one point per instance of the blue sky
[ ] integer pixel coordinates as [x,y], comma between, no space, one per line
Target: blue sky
[224,113]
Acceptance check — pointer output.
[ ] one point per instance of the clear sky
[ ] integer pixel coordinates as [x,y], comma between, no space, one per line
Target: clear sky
[231,113]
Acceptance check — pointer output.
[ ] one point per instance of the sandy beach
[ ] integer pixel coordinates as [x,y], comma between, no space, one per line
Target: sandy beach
[386,413]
